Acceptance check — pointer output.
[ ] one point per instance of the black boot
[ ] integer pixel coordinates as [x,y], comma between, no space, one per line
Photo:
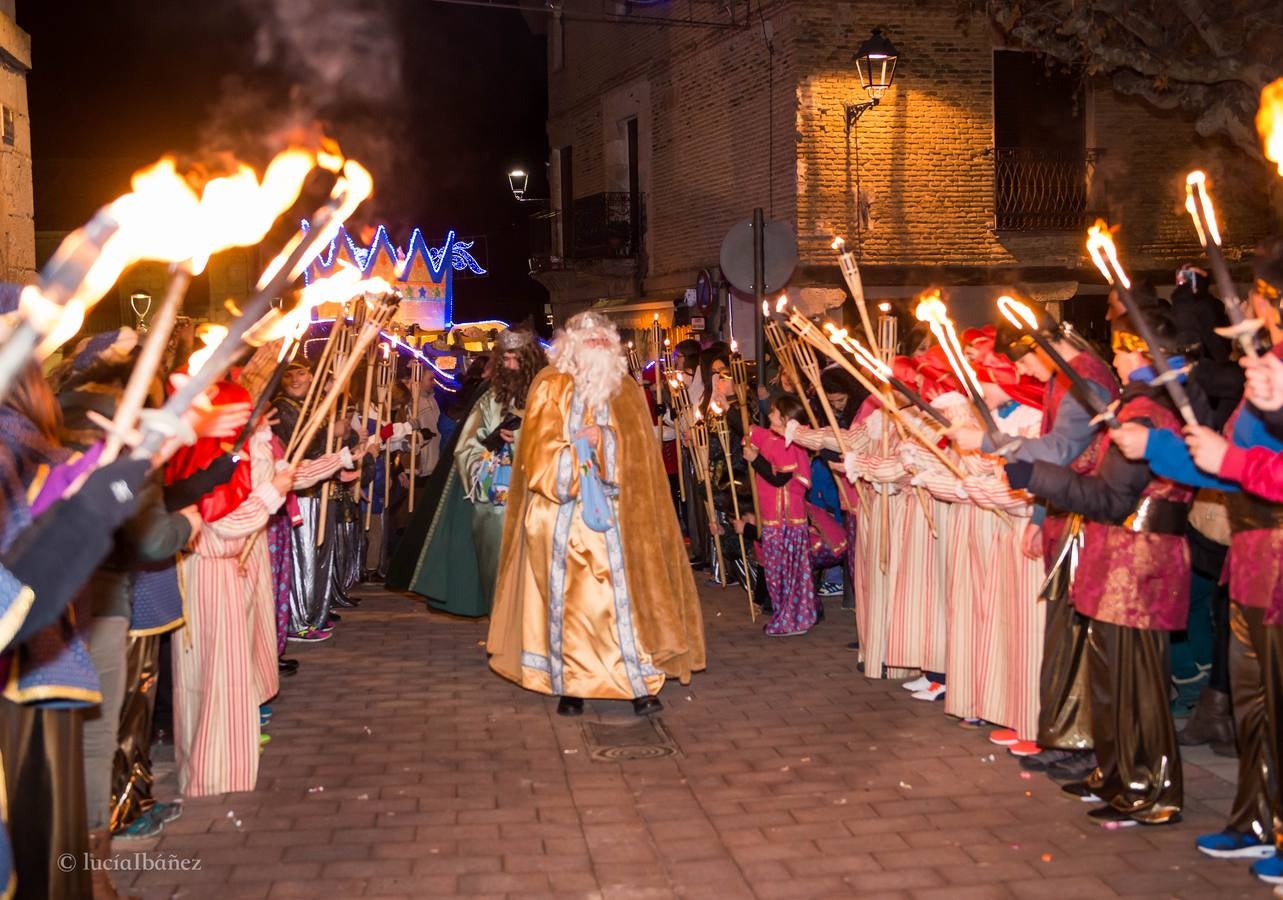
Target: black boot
[647,706]
[570,706]
[287,666]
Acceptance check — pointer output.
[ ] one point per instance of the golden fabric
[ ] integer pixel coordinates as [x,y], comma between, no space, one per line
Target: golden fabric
[1248,654]
[1064,713]
[1138,761]
[574,607]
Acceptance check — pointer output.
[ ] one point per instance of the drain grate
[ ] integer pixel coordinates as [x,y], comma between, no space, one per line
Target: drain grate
[641,739]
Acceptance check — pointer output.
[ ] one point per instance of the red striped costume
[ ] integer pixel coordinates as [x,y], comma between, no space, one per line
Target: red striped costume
[216,691]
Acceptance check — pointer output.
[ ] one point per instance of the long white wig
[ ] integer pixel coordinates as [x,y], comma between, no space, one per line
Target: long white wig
[588,349]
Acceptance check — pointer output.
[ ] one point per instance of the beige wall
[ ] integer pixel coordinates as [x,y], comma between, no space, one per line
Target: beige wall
[17,210]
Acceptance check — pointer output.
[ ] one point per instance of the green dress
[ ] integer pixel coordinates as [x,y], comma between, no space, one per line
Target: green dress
[459,560]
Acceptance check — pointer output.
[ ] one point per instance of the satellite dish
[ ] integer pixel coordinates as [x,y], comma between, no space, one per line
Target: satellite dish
[780,248]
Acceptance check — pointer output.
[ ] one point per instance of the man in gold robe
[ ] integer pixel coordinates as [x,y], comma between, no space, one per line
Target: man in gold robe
[595,598]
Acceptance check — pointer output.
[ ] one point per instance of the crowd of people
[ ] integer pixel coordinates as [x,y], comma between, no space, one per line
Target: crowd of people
[1063,562]
[1072,568]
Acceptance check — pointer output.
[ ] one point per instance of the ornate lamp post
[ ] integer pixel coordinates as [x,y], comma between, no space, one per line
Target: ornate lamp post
[875,61]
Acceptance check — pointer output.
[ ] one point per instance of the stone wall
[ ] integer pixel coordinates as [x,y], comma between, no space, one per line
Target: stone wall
[17,209]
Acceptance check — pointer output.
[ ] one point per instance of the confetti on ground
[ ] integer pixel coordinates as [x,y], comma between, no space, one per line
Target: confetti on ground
[569,750]
[367,796]
[1046,857]
[231,814]
[1029,793]
[784,768]
[1025,776]
[367,729]
[906,786]
[316,790]
[840,801]
[806,759]
[1015,846]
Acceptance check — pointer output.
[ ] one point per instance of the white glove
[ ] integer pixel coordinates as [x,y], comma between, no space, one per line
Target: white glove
[401,430]
[848,466]
[790,431]
[345,458]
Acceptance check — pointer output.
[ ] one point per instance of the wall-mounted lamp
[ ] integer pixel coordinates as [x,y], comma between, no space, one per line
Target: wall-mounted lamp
[875,61]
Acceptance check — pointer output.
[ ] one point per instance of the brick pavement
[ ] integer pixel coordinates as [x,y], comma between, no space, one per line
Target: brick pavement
[400,767]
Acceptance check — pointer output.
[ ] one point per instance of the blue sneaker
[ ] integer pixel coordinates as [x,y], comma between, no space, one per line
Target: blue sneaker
[1230,844]
[1269,869]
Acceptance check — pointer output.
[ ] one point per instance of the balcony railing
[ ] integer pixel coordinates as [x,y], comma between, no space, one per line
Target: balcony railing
[1041,190]
[601,226]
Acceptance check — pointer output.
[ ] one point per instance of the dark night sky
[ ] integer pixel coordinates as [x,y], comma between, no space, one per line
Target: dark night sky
[126,81]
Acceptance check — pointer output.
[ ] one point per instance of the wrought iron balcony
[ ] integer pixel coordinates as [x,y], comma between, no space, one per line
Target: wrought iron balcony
[1041,190]
[601,226]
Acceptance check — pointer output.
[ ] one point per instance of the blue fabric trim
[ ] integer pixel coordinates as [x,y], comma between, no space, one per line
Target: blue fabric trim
[560,543]
[535,661]
[619,586]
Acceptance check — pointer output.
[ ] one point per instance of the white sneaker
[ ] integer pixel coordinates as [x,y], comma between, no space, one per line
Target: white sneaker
[921,683]
[934,691]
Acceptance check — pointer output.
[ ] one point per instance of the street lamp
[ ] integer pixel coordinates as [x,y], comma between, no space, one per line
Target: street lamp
[517,180]
[875,61]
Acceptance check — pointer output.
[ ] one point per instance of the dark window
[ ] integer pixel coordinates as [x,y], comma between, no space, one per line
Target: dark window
[1041,158]
[9,131]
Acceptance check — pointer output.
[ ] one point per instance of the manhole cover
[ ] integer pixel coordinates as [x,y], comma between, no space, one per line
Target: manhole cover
[642,739]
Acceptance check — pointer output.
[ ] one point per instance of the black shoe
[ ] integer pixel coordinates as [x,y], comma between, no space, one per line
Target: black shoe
[647,706]
[819,613]
[570,706]
[287,666]
[1072,769]
[1109,814]
[853,645]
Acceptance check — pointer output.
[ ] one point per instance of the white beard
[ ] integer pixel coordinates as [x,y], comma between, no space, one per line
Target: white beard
[597,372]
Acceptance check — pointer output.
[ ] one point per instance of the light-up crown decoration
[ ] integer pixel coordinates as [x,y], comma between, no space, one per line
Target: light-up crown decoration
[512,339]
[424,275]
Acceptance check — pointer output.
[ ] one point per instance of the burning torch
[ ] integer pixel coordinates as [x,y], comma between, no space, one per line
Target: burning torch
[1199,204]
[1100,244]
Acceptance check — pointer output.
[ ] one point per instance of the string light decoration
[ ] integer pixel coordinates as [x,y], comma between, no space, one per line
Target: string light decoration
[425,275]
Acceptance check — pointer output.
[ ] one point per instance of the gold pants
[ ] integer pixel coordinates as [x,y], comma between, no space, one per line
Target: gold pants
[1138,762]
[1064,710]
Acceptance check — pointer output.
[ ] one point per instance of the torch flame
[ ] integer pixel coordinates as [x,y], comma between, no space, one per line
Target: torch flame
[841,337]
[766,309]
[838,244]
[1017,313]
[781,303]
[931,309]
[211,336]
[351,189]
[715,408]
[1196,182]
[735,346]
[1100,244]
[1269,122]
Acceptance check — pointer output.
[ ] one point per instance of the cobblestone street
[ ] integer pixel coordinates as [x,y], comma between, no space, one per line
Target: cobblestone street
[400,766]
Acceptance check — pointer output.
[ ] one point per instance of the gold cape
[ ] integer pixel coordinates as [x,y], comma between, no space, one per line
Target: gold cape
[662,601]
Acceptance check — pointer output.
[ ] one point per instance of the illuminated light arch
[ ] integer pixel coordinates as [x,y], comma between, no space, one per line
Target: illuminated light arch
[424,274]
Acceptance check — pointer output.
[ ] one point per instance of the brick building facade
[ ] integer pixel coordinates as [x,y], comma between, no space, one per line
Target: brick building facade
[979,168]
[17,209]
